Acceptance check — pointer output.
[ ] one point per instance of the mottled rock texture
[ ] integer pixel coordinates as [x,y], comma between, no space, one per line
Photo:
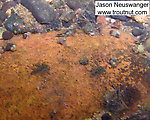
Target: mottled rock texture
[40,9]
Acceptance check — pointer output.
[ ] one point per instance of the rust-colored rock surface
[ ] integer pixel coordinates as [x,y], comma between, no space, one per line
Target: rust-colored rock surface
[68,91]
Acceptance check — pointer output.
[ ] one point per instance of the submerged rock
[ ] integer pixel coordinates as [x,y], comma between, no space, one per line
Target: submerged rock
[134,24]
[106,116]
[84,61]
[13,23]
[40,68]
[120,17]
[115,33]
[8,5]
[97,71]
[55,24]
[11,47]
[7,35]
[40,9]
[61,41]
[113,62]
[89,28]
[137,32]
[67,15]
[122,98]
[3,16]
[75,4]
[26,35]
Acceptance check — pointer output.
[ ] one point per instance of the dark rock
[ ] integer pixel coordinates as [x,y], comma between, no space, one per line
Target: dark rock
[113,62]
[90,7]
[130,94]
[96,71]
[3,15]
[115,33]
[61,41]
[84,4]
[40,68]
[106,116]
[134,24]
[89,28]
[75,4]
[122,98]
[87,16]
[135,49]
[8,5]
[120,17]
[16,25]
[7,35]
[84,61]
[58,4]
[66,24]
[40,9]
[53,25]
[13,23]
[67,15]
[26,35]
[87,8]
[137,32]
[2,50]
[81,23]
[142,38]
[11,47]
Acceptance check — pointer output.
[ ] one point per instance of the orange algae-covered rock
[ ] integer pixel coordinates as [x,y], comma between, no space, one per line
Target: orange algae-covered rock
[67,90]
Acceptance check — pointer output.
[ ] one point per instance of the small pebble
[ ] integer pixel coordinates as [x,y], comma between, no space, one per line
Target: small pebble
[106,116]
[92,34]
[113,62]
[11,47]
[61,41]
[26,35]
[7,35]
[115,33]
[135,50]
[137,32]
[84,61]
[2,50]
